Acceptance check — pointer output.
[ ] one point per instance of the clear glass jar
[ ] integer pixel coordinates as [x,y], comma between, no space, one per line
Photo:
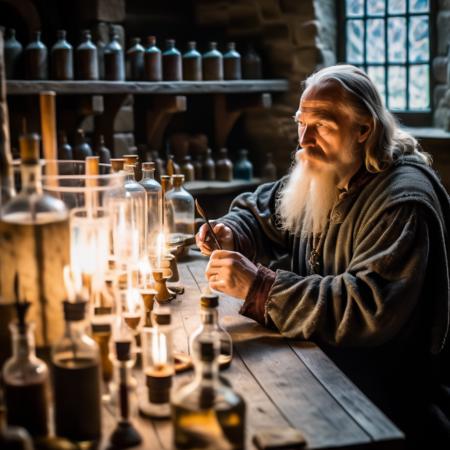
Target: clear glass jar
[210,328]
[76,379]
[153,191]
[207,413]
[25,380]
[180,212]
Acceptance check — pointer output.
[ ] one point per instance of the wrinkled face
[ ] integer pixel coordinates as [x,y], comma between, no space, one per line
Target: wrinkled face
[329,136]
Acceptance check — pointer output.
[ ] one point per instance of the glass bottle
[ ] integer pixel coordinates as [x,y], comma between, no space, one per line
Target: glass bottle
[64,148]
[212,62]
[159,164]
[232,63]
[34,239]
[243,169]
[13,53]
[152,61]
[158,365]
[113,59]
[224,166]
[102,151]
[172,65]
[36,59]
[251,64]
[207,413]
[198,166]
[76,379]
[209,166]
[62,58]
[269,171]
[135,60]
[180,211]
[81,148]
[153,193]
[26,382]
[210,328]
[187,169]
[86,64]
[172,166]
[192,63]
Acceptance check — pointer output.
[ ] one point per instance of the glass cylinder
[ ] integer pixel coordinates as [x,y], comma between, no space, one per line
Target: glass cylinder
[180,212]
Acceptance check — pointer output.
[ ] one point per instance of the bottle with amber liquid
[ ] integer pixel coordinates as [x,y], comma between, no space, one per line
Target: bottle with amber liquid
[26,379]
[76,379]
[207,413]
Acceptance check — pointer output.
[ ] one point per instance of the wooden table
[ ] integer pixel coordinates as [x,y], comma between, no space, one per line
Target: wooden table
[285,383]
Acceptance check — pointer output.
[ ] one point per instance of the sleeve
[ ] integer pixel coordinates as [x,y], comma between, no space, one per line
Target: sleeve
[372,300]
[253,221]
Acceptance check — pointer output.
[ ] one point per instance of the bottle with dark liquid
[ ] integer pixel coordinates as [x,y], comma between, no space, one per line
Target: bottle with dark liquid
[207,413]
[172,64]
[62,58]
[210,328]
[224,166]
[152,61]
[13,56]
[81,148]
[192,63]
[113,59]
[209,166]
[26,382]
[36,64]
[86,58]
[212,62]
[76,379]
[232,63]
[243,169]
[135,60]
[64,148]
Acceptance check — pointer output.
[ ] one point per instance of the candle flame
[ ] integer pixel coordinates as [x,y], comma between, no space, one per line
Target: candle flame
[159,348]
[160,248]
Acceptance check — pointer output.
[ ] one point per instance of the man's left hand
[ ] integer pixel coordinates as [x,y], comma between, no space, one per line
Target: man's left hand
[230,273]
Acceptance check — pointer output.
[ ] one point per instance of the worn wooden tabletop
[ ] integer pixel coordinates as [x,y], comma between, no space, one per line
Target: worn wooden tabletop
[285,383]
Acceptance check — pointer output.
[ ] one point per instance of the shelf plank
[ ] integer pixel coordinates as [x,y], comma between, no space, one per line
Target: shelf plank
[26,87]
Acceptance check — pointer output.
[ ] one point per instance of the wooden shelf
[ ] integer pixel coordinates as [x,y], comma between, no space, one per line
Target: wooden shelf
[26,87]
[221,187]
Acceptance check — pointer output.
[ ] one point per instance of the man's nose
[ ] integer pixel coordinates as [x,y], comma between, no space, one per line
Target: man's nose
[307,136]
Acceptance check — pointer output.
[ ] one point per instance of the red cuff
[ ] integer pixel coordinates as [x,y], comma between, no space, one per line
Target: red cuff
[255,303]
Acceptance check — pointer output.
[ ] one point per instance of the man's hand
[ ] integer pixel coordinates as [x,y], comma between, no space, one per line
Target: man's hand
[205,242]
[230,273]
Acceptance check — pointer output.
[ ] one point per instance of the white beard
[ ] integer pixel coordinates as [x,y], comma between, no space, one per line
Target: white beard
[305,201]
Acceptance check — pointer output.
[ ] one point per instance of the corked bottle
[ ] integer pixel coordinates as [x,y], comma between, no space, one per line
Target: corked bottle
[62,58]
[172,166]
[102,151]
[172,65]
[81,148]
[135,60]
[113,58]
[232,63]
[212,62]
[152,61]
[251,64]
[36,64]
[86,58]
[269,171]
[13,56]
[224,166]
[187,169]
[192,63]
[64,148]
[209,166]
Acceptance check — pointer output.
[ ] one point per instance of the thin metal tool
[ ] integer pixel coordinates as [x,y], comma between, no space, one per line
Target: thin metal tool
[202,213]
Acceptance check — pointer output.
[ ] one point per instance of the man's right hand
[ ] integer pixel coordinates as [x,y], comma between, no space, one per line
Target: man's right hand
[205,241]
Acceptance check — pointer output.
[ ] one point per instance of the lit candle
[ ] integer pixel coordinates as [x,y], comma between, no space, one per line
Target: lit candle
[160,249]
[145,273]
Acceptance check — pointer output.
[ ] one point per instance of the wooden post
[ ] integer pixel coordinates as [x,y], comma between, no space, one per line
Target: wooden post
[6,160]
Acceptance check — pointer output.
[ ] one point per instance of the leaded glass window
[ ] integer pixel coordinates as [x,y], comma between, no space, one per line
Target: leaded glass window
[390,39]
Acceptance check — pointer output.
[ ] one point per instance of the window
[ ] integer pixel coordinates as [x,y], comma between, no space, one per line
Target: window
[390,40]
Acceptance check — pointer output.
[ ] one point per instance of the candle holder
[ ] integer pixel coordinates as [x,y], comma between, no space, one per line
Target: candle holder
[169,262]
[148,296]
[163,294]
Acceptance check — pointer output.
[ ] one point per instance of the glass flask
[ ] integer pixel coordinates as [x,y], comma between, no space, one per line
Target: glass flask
[158,365]
[207,413]
[153,193]
[210,328]
[243,169]
[25,380]
[180,212]
[76,379]
[34,243]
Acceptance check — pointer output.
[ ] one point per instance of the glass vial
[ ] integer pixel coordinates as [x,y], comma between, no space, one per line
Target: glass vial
[113,59]
[86,58]
[243,169]
[212,62]
[135,60]
[13,56]
[232,63]
[172,64]
[36,64]
[192,63]
[62,58]
[152,61]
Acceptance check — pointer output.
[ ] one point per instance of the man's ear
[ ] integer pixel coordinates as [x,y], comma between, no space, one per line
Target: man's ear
[364,132]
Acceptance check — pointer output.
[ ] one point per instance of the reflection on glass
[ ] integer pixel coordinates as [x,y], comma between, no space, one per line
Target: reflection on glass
[397,87]
[419,5]
[419,91]
[377,75]
[354,8]
[397,39]
[375,40]
[418,39]
[355,39]
[375,7]
[396,6]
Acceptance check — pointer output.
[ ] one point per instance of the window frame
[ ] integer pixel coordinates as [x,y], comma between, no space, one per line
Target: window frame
[411,118]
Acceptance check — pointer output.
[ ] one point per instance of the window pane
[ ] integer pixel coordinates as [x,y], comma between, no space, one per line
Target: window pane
[396,6]
[375,7]
[354,8]
[377,75]
[397,87]
[419,5]
[355,39]
[397,39]
[375,40]
[418,39]
[419,89]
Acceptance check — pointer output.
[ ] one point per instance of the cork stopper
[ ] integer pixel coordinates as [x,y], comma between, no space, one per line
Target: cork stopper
[117,164]
[148,166]
[161,316]
[74,311]
[209,301]
[177,180]
[131,159]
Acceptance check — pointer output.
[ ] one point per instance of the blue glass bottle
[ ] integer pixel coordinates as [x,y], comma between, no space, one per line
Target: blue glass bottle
[243,169]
